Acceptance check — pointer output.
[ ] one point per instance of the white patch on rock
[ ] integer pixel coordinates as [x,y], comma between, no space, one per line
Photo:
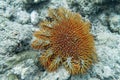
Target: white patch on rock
[34,17]
[94,79]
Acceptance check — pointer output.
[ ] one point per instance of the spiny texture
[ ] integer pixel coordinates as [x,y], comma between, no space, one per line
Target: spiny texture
[66,41]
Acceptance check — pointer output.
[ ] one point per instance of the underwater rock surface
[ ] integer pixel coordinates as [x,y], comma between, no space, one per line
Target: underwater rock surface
[19,19]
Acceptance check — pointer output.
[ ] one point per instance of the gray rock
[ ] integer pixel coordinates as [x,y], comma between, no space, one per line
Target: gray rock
[84,7]
[60,74]
[108,72]
[22,64]
[104,1]
[58,3]
[108,51]
[117,8]
[9,8]
[43,11]
[8,12]
[114,21]
[22,17]
[104,19]
[12,77]
[14,36]
[25,69]
[3,4]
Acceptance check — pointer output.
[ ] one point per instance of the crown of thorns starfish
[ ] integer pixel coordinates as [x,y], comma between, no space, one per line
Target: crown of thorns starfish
[66,40]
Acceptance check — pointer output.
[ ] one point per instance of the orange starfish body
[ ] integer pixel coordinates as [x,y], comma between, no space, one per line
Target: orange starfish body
[66,40]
